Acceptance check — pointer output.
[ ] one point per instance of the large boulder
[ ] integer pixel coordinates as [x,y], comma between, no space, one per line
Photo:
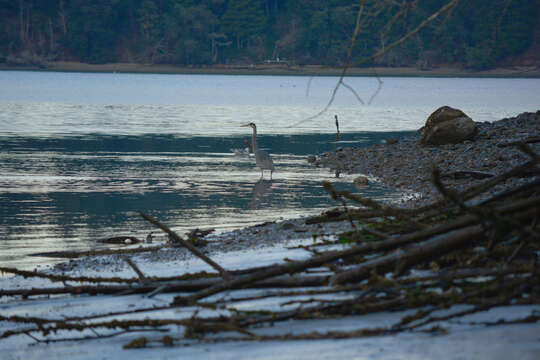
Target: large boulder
[447,126]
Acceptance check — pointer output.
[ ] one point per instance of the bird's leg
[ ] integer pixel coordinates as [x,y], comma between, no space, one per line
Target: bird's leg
[271,171]
[262,173]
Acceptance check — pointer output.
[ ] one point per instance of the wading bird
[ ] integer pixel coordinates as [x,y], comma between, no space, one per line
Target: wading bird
[262,158]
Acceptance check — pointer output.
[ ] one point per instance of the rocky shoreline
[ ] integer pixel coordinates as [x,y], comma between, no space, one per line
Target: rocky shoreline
[447,288]
[256,237]
[404,164]
[407,165]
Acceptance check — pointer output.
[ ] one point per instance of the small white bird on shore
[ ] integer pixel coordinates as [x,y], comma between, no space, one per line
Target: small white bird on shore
[243,152]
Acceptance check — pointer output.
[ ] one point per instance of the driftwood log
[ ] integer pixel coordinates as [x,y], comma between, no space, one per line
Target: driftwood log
[494,241]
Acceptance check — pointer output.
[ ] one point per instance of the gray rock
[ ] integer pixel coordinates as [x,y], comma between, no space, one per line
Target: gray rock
[361,181]
[447,126]
[287,226]
[408,166]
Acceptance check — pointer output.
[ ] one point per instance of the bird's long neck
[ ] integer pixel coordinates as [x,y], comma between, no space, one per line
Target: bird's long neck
[254,141]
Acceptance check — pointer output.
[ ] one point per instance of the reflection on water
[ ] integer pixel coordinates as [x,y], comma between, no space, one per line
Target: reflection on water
[45,103]
[66,193]
[81,154]
[261,189]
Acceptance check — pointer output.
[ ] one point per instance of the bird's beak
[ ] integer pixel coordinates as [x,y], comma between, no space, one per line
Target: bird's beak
[245,125]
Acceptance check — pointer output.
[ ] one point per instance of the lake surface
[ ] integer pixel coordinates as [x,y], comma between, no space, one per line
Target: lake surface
[82,153]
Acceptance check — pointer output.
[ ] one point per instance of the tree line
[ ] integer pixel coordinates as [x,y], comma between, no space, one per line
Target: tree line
[474,34]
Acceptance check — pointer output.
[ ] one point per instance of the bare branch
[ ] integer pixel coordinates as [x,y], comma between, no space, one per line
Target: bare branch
[348,64]
[186,244]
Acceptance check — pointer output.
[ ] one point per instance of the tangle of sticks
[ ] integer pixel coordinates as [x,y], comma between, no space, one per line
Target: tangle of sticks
[482,255]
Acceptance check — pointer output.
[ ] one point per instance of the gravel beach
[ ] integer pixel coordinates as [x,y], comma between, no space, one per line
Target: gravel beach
[407,165]
[431,311]
[404,164]
[251,238]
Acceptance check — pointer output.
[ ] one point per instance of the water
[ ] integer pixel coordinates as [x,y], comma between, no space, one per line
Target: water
[81,154]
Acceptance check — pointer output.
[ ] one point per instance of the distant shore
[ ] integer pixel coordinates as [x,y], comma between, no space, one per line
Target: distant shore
[270,69]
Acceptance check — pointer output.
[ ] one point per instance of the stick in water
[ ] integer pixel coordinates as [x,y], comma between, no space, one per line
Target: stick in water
[186,244]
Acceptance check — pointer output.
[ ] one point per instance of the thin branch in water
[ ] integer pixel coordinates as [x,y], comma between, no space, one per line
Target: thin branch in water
[381,52]
[336,196]
[337,138]
[337,128]
[135,268]
[186,244]
[404,9]
[514,254]
[436,173]
[351,89]
[345,68]
[529,151]
[308,86]
[436,14]
[499,21]
[379,87]
[32,337]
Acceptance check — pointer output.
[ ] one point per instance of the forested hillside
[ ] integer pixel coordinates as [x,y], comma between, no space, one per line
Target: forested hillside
[476,34]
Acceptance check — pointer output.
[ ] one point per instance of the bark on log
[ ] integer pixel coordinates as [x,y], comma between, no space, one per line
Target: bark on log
[430,248]
[412,256]
[167,287]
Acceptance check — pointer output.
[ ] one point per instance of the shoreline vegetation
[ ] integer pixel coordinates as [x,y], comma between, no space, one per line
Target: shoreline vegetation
[277,69]
[453,266]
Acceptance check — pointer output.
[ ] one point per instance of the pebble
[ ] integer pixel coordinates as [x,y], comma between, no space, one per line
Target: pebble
[403,164]
[253,237]
[408,166]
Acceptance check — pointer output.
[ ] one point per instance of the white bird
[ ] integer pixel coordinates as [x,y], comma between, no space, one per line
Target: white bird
[243,152]
[262,158]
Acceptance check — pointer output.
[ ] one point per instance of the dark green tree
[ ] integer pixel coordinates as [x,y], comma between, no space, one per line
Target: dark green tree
[244,21]
[476,34]
[91,35]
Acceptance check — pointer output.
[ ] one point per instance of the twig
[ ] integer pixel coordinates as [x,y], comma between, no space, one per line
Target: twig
[351,89]
[64,278]
[436,14]
[335,196]
[337,128]
[135,268]
[529,151]
[27,333]
[514,254]
[375,233]
[78,254]
[444,191]
[186,244]
[348,64]
[529,140]
[413,256]
[345,68]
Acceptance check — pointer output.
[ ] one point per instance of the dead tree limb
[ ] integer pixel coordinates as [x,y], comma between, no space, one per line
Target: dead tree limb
[187,245]
[64,278]
[348,63]
[135,268]
[413,256]
[528,140]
